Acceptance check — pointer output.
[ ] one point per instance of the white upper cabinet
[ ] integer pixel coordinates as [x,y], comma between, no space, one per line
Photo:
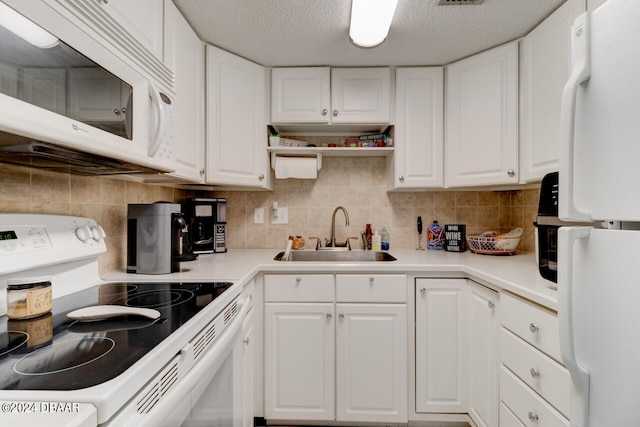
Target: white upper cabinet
[481,119]
[545,68]
[143,19]
[418,158]
[324,95]
[300,95]
[184,54]
[360,95]
[236,121]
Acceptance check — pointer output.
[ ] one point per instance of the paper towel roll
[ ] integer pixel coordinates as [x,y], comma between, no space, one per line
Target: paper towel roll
[296,167]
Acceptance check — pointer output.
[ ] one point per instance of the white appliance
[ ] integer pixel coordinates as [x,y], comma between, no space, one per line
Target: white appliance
[599,269]
[77,96]
[182,369]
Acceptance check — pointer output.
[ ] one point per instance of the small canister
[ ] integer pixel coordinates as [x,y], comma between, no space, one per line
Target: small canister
[27,298]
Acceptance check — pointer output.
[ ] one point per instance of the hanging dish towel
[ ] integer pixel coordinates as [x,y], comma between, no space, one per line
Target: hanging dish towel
[296,167]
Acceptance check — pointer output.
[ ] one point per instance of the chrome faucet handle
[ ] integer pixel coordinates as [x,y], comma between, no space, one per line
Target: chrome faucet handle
[317,242]
[349,243]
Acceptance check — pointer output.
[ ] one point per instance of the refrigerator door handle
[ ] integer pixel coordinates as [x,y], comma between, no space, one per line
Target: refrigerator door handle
[581,72]
[567,236]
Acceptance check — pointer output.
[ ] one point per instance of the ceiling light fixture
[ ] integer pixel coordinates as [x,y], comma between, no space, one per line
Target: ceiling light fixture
[25,29]
[370,21]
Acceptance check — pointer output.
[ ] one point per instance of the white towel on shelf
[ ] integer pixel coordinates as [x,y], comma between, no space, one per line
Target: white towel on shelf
[296,167]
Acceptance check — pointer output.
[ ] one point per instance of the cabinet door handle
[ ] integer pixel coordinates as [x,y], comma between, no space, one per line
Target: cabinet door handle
[491,304]
[533,327]
[329,316]
[534,373]
[261,177]
[325,111]
[371,280]
[246,341]
[511,172]
[335,113]
[423,291]
[341,316]
[298,280]
[533,417]
[401,178]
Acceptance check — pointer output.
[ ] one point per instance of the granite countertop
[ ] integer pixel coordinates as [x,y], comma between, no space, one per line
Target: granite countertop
[517,274]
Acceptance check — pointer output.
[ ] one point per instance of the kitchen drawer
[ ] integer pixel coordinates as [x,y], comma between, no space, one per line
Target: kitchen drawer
[299,288]
[527,405]
[543,374]
[533,324]
[387,288]
[508,418]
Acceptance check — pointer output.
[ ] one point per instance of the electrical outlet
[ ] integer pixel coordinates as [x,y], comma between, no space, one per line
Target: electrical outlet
[279,216]
[258,215]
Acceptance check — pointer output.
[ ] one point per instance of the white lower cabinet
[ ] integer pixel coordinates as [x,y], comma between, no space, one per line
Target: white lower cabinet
[299,361]
[441,345]
[371,368]
[483,355]
[335,349]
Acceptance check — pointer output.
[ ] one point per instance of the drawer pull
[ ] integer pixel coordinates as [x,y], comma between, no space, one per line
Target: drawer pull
[533,327]
[491,304]
[371,279]
[329,316]
[534,373]
[298,280]
[533,417]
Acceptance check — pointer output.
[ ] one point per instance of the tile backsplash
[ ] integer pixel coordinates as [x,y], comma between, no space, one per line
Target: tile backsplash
[356,183]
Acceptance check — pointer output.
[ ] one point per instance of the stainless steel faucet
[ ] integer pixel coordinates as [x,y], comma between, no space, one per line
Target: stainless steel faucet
[332,242]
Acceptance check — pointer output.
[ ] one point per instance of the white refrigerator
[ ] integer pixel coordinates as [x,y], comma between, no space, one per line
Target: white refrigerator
[599,269]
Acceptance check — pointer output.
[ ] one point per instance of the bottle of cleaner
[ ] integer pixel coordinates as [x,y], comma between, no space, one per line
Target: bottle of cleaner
[384,239]
[375,241]
[435,237]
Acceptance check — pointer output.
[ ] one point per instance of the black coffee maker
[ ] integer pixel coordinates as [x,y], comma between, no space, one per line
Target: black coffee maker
[207,220]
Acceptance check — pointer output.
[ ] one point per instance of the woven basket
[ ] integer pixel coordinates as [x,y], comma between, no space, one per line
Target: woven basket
[495,244]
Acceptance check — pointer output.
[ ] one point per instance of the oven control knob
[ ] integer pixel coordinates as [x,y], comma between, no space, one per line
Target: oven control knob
[97,233]
[83,233]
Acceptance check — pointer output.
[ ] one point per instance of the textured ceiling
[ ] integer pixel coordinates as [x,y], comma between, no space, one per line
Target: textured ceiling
[316,32]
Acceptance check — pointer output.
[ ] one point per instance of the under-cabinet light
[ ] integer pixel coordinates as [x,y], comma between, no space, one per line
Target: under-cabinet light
[25,29]
[370,21]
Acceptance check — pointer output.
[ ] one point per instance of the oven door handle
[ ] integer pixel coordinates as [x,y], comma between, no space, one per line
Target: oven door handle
[176,404]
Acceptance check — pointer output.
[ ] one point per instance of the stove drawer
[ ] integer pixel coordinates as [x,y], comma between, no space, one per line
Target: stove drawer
[299,288]
[538,371]
[527,405]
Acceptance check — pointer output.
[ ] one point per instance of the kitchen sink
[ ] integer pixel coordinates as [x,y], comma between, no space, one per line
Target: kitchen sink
[337,255]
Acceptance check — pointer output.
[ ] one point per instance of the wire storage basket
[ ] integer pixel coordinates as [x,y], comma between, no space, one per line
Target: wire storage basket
[492,243]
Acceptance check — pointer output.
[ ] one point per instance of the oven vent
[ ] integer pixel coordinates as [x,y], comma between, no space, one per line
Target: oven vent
[204,340]
[459,2]
[162,386]
[231,312]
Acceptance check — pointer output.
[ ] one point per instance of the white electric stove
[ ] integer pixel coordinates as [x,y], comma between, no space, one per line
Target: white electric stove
[132,370]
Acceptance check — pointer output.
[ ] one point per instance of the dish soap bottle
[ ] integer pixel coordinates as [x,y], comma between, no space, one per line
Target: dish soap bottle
[384,239]
[375,241]
[435,237]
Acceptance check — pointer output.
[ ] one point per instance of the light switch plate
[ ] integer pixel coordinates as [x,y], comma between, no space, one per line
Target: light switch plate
[279,216]
[258,215]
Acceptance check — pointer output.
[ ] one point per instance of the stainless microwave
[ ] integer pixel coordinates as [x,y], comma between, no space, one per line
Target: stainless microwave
[64,93]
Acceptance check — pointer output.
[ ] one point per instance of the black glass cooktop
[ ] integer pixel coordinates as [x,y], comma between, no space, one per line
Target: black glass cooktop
[53,352]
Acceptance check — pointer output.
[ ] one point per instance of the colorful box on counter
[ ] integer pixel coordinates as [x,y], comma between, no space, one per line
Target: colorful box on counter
[455,237]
